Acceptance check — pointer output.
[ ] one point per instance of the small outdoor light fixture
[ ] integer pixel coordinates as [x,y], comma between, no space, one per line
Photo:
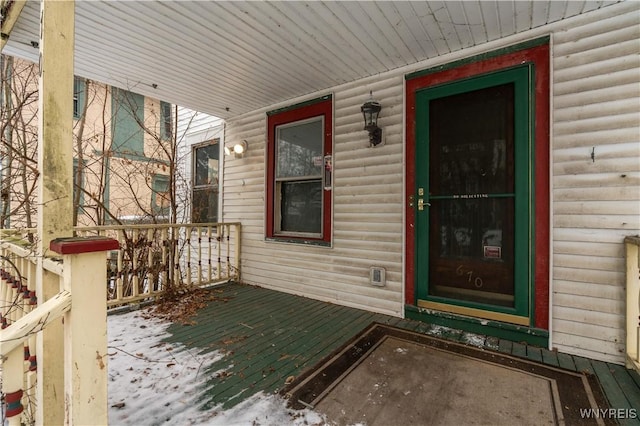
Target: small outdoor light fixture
[237,149]
[370,110]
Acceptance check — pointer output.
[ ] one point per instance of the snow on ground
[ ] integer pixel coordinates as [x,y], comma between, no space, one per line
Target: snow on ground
[155,383]
[473,339]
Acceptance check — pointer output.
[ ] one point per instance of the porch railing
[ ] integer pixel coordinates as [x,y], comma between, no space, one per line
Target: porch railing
[632,245]
[18,299]
[25,317]
[159,257]
[150,259]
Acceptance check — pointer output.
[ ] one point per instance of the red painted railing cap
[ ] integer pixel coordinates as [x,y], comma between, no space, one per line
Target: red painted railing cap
[77,245]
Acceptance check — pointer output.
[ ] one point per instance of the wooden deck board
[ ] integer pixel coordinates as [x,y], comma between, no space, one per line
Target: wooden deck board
[583,365]
[550,358]
[534,354]
[635,377]
[519,350]
[616,395]
[268,336]
[627,385]
[566,361]
[492,343]
[270,365]
[505,346]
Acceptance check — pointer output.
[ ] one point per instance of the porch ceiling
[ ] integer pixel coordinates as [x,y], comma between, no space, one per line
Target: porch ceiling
[225,58]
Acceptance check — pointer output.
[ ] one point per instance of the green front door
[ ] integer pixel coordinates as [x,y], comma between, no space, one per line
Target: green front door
[473,178]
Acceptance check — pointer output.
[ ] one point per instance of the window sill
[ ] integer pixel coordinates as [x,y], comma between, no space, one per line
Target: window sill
[298,241]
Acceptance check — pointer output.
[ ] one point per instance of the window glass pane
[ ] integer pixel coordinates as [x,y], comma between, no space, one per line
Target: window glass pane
[204,205]
[128,119]
[78,96]
[160,200]
[166,120]
[301,206]
[299,149]
[206,167]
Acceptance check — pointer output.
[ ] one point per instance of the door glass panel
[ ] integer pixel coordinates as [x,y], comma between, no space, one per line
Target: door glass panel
[472,254]
[471,192]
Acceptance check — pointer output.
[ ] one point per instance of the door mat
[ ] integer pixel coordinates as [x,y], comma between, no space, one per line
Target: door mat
[386,375]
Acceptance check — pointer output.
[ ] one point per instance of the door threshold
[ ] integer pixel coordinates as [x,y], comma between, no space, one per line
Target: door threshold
[475,312]
[490,327]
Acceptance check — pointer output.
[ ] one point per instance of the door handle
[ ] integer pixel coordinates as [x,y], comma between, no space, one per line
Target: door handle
[421,204]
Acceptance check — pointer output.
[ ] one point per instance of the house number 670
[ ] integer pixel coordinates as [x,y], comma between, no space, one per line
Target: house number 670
[476,280]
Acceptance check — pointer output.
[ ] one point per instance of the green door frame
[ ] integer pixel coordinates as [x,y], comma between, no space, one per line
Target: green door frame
[522,78]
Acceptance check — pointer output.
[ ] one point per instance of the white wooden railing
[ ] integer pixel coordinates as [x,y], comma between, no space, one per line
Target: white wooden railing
[632,245]
[147,260]
[18,300]
[26,318]
[153,257]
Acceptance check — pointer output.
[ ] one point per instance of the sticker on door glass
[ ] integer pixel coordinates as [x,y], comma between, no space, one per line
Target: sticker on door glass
[492,252]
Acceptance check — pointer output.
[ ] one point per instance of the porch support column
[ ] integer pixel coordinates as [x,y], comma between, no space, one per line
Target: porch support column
[55,188]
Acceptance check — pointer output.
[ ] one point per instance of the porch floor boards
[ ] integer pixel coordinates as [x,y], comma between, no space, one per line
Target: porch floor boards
[268,336]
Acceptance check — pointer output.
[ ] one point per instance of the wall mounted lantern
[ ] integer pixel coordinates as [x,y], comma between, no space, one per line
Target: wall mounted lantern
[370,110]
[237,149]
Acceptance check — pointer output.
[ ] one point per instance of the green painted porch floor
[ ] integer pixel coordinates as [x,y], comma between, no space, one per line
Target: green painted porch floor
[269,336]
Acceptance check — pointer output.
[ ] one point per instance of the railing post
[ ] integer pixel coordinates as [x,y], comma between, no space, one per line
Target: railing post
[238,233]
[50,352]
[632,249]
[12,365]
[12,386]
[85,328]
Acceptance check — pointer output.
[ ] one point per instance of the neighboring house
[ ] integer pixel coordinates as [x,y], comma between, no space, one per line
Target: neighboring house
[200,153]
[121,152]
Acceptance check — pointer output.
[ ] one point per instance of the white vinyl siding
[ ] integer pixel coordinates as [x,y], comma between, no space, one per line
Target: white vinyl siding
[596,180]
[367,209]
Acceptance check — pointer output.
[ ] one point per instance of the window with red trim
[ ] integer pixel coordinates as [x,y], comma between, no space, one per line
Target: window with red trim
[299,150]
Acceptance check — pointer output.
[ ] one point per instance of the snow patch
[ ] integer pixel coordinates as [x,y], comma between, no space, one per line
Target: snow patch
[261,409]
[473,339]
[152,382]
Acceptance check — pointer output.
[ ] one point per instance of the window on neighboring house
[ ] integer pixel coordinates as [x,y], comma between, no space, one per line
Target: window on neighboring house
[204,205]
[160,195]
[166,121]
[127,123]
[79,96]
[299,150]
